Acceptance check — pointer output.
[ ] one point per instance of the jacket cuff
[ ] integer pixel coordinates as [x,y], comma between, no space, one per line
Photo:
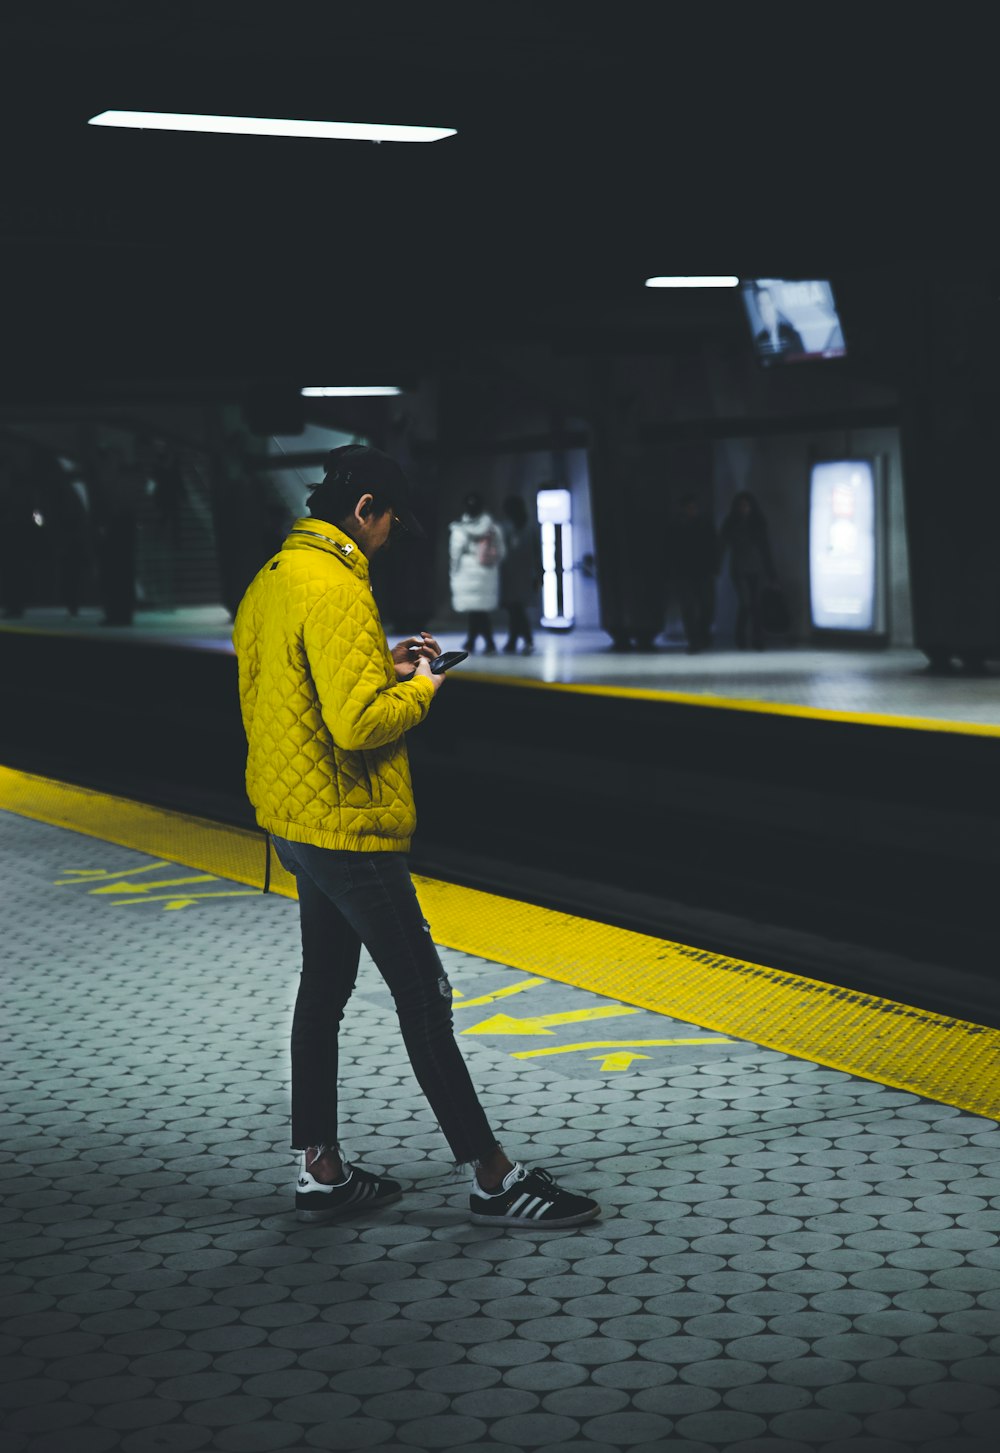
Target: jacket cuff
[422,684]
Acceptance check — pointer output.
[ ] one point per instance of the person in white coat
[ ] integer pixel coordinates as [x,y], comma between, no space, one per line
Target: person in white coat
[475,550]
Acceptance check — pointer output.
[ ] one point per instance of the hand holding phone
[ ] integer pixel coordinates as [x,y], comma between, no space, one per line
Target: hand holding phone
[445,662]
[423,668]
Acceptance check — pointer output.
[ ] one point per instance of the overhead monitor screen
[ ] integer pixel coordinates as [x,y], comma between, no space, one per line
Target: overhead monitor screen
[792,322]
[843,545]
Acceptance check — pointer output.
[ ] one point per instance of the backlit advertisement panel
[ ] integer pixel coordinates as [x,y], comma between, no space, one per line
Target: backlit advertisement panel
[555,520]
[844,546]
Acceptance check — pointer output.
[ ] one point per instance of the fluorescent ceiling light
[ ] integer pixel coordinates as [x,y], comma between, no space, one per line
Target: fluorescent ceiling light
[262,126]
[375,390]
[692,282]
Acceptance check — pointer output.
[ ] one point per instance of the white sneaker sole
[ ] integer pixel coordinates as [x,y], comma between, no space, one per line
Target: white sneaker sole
[527,1224]
[336,1213]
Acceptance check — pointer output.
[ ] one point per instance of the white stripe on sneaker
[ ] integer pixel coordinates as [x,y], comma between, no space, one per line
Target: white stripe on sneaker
[516,1206]
[528,1210]
[542,1210]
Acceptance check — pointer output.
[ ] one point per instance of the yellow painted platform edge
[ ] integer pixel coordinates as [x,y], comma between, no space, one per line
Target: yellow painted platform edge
[634,968]
[739,703]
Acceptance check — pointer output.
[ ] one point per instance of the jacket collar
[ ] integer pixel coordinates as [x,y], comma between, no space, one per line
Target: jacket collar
[308,533]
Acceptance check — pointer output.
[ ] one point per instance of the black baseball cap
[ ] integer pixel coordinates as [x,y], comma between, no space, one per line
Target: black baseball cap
[370,471]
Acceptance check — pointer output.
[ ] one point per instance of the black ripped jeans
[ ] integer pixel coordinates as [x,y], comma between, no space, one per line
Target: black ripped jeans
[346,900]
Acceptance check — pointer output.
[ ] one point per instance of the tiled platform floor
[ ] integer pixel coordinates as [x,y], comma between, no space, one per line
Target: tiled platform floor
[886,683]
[790,1258]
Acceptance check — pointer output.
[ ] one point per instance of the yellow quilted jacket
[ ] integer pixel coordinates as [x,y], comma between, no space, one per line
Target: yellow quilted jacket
[323,709]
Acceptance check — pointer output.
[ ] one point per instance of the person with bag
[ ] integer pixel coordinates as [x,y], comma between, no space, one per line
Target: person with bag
[326,705]
[475,552]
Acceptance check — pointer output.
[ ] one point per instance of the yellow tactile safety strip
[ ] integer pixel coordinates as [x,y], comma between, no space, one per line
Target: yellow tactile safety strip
[195,842]
[949,1060]
[740,703]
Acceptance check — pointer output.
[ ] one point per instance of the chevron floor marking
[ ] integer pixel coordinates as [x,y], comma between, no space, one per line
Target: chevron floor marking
[540,1024]
[615,1044]
[459,1003]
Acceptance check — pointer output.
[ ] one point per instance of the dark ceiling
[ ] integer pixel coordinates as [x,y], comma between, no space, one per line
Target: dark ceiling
[595,146]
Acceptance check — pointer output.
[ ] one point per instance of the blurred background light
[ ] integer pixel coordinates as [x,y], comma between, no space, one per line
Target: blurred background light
[692,282]
[264,126]
[375,390]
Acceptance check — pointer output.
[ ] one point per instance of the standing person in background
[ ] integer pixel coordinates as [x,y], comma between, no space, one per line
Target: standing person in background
[695,551]
[520,572]
[119,487]
[17,526]
[475,551]
[166,470]
[66,522]
[744,535]
[236,518]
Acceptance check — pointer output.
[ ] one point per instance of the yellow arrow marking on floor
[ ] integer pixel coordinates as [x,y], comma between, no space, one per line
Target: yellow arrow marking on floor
[619,1061]
[91,875]
[612,1044]
[145,887]
[506,1024]
[497,994]
[172,900]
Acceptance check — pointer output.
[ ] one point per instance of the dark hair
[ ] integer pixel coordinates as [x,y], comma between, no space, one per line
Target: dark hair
[473,504]
[333,502]
[516,511]
[352,471]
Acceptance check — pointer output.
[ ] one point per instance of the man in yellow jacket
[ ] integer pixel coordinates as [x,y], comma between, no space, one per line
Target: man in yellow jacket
[326,705]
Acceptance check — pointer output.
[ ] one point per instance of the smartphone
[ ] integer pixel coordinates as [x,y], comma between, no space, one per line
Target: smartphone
[450,658]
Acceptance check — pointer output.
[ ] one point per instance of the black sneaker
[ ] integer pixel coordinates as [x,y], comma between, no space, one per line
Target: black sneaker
[530,1198]
[361,1191]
